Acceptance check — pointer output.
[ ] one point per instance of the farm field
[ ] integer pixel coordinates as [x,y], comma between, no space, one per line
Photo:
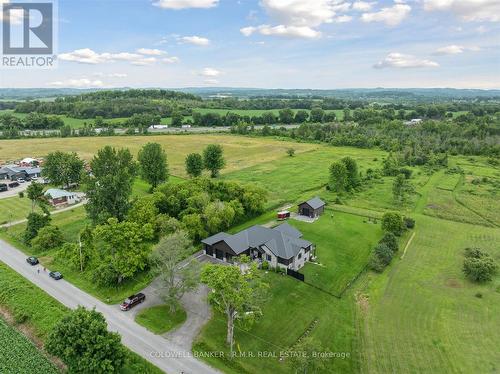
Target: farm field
[240,152]
[344,243]
[18,354]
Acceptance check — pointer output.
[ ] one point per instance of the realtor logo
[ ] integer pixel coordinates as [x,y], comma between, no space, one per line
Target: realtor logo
[28,31]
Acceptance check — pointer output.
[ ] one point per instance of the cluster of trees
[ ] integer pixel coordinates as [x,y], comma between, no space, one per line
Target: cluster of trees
[344,175]
[479,266]
[212,160]
[33,121]
[393,225]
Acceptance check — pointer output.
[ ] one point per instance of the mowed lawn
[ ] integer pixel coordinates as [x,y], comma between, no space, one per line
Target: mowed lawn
[240,152]
[291,308]
[344,244]
[423,316]
[14,208]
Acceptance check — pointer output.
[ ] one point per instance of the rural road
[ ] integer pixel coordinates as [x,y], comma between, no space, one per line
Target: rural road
[166,355]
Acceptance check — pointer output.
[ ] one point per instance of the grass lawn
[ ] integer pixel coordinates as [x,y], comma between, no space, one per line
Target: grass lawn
[14,208]
[422,306]
[240,152]
[291,308]
[159,320]
[42,312]
[343,247]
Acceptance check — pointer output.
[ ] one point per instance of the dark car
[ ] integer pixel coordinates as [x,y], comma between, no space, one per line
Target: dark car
[56,275]
[13,184]
[3,187]
[32,261]
[132,301]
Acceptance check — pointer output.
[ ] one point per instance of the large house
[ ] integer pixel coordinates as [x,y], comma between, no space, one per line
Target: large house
[281,246]
[14,172]
[312,208]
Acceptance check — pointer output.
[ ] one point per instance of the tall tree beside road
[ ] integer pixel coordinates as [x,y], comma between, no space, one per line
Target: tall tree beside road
[153,165]
[175,280]
[109,186]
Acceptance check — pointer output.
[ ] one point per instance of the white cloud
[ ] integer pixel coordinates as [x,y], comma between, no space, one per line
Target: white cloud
[196,40]
[211,81]
[210,73]
[399,60]
[170,60]
[391,16]
[468,10]
[454,49]
[151,52]
[299,18]
[88,56]
[184,4]
[78,83]
[111,75]
[363,6]
[282,30]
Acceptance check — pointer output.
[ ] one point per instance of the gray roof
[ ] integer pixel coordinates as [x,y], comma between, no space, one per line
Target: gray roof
[314,203]
[14,169]
[56,193]
[283,241]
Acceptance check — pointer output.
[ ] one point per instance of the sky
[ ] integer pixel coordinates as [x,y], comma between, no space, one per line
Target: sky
[321,44]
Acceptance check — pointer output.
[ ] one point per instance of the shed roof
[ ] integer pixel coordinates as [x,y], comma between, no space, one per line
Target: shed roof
[314,203]
[56,193]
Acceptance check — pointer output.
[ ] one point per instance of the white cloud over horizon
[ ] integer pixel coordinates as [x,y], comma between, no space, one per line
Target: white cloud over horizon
[78,83]
[185,4]
[468,10]
[404,61]
[391,16]
[144,56]
[195,40]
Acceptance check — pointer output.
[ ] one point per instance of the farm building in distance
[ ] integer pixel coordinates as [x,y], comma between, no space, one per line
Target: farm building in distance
[15,172]
[312,208]
[281,246]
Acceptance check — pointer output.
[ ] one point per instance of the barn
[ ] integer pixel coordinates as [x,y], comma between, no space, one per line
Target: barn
[312,208]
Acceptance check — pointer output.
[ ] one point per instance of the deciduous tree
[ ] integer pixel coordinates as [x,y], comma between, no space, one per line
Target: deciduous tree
[213,159]
[194,164]
[62,168]
[153,165]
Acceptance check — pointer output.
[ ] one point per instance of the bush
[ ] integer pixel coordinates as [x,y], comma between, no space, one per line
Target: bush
[390,241]
[384,253]
[409,222]
[406,172]
[474,253]
[393,222]
[479,269]
[21,194]
[49,237]
[265,265]
[376,264]
[36,222]
[20,317]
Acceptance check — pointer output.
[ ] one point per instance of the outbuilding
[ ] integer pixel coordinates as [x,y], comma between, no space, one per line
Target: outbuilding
[312,208]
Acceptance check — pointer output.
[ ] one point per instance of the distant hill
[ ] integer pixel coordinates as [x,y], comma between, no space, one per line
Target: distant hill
[372,94]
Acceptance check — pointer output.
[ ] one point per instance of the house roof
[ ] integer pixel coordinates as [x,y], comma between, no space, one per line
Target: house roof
[283,241]
[14,169]
[56,193]
[314,203]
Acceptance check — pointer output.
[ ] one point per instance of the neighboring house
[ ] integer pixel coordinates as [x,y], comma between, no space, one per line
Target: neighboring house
[14,172]
[158,127]
[59,197]
[414,121]
[312,208]
[281,246]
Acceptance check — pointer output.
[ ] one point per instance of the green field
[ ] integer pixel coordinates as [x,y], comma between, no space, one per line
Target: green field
[19,355]
[14,208]
[340,257]
[159,320]
[40,313]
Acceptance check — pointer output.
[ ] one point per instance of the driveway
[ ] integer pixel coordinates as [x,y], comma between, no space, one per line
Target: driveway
[13,191]
[164,353]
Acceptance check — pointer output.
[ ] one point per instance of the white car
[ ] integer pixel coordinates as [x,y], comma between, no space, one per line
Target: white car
[21,180]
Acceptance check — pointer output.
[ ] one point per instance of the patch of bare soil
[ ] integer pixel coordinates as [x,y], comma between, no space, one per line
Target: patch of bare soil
[362,302]
[453,283]
[29,332]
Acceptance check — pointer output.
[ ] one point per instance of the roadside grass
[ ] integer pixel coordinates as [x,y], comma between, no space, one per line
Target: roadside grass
[14,208]
[20,355]
[290,310]
[343,242]
[423,306]
[42,312]
[239,152]
[159,320]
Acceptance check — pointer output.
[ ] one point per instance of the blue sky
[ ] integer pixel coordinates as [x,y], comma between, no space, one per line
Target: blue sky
[273,44]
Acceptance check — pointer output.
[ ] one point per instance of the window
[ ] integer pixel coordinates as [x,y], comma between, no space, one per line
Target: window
[299,256]
[283,261]
[268,257]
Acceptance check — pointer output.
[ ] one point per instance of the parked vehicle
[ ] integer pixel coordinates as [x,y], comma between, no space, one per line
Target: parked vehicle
[21,180]
[132,301]
[56,275]
[3,187]
[32,260]
[13,184]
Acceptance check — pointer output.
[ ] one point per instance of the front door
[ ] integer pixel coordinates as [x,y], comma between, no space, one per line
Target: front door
[305,212]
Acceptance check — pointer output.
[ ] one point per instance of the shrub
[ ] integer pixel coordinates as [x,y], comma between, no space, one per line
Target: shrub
[393,222]
[390,241]
[21,194]
[479,269]
[20,317]
[265,265]
[49,237]
[376,264]
[474,253]
[384,253]
[36,221]
[406,172]
[409,222]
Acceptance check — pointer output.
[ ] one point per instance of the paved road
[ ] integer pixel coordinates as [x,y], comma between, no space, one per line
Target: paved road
[156,349]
